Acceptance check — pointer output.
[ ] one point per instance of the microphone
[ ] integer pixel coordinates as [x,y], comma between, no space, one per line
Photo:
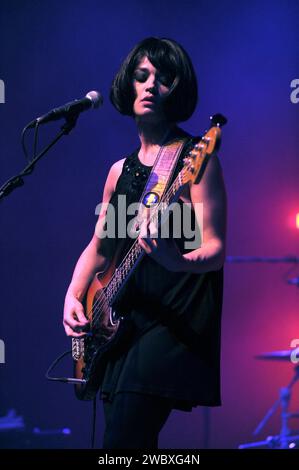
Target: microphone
[70,110]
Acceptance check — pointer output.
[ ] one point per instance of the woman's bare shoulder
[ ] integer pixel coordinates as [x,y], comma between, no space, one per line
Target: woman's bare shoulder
[114,174]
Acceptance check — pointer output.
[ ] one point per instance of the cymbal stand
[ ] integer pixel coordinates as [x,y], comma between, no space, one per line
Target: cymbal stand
[284,438]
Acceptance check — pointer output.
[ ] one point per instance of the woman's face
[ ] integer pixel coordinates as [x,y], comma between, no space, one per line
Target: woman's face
[151,88]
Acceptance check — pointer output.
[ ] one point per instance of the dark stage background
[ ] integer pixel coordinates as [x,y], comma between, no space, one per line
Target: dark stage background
[246,55]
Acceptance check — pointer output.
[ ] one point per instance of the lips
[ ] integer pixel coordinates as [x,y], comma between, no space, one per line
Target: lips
[150,99]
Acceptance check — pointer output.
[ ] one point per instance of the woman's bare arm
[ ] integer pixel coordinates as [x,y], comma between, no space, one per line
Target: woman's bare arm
[90,262]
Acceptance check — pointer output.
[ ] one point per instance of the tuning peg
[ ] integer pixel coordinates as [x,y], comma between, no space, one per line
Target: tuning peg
[199,146]
[218,120]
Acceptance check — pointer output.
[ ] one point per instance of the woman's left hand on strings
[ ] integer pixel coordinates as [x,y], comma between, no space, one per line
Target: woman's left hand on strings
[163,250]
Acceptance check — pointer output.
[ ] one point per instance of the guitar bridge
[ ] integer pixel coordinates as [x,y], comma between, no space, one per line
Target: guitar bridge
[77,348]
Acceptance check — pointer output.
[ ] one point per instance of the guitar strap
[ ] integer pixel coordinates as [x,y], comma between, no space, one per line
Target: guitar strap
[158,180]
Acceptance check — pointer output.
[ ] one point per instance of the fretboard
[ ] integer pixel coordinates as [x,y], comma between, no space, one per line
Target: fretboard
[135,253]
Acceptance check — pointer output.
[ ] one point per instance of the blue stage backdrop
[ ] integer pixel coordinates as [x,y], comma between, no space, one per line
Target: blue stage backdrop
[246,56]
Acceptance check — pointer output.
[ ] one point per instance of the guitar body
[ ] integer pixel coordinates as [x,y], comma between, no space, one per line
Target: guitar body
[91,352]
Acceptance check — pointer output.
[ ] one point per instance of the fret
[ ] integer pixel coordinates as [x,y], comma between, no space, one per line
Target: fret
[123,271]
[135,253]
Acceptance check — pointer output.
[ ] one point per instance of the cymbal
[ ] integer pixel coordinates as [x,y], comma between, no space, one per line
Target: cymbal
[284,355]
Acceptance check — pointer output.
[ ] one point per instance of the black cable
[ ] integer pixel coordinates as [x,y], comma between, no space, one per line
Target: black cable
[69,380]
[17,180]
[57,379]
[23,142]
[36,128]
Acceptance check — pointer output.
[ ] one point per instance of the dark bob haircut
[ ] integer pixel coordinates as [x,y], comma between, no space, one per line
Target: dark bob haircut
[167,56]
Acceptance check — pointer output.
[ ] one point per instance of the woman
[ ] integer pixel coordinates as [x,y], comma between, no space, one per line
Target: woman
[174,298]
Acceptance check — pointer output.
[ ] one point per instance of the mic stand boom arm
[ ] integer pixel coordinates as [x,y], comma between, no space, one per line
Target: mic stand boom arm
[17,180]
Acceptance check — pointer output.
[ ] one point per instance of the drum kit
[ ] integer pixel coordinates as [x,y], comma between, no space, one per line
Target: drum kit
[285,439]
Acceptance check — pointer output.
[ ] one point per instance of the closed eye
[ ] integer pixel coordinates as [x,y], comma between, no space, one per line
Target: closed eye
[166,79]
[140,76]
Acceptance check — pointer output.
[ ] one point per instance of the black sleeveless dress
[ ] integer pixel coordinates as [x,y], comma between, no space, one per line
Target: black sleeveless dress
[174,346]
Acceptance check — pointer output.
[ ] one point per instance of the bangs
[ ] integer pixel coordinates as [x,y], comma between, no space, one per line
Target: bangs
[160,56]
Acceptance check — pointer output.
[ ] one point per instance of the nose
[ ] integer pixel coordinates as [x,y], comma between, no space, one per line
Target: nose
[151,84]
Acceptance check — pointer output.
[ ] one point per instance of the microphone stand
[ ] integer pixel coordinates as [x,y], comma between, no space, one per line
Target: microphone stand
[262,259]
[17,180]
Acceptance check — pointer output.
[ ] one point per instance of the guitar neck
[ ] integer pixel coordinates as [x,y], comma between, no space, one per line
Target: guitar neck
[189,173]
[135,253]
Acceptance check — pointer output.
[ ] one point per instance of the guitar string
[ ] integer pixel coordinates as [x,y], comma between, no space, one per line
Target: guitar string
[134,252]
[118,272]
[103,297]
[99,303]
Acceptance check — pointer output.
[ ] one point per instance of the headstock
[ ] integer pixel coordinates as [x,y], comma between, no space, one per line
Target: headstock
[207,145]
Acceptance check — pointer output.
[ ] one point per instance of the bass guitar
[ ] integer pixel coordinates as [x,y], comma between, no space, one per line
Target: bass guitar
[90,352]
